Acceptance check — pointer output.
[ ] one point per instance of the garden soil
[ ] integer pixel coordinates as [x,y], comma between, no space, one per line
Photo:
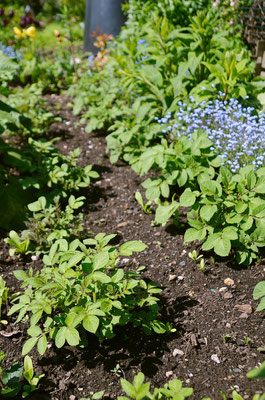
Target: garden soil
[219,337]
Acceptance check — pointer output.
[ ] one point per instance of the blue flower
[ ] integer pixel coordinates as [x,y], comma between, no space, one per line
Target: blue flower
[141,41]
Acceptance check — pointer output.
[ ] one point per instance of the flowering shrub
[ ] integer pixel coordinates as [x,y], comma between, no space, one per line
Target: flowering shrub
[237,133]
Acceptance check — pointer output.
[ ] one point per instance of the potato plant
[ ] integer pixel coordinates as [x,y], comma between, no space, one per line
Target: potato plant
[81,288]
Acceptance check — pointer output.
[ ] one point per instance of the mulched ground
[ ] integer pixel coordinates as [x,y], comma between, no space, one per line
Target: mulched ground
[216,341]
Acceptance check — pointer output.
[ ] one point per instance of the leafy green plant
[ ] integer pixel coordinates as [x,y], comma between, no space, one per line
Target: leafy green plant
[49,222]
[193,256]
[3,297]
[139,390]
[228,212]
[145,207]
[19,244]
[29,103]
[10,378]
[81,289]
[259,293]
[55,170]
[173,390]
[32,379]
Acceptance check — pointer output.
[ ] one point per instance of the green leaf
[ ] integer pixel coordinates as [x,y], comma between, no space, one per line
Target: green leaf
[98,395]
[261,305]
[20,275]
[193,234]
[101,260]
[211,241]
[187,199]
[222,247]
[128,388]
[37,205]
[138,380]
[257,373]
[230,232]
[75,260]
[210,188]
[208,211]
[101,277]
[259,290]
[12,375]
[163,213]
[60,337]
[28,368]
[34,331]
[91,323]
[128,248]
[42,345]
[72,336]
[152,74]
[28,345]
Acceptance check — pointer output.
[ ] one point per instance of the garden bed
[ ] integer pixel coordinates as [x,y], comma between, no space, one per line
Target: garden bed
[218,333]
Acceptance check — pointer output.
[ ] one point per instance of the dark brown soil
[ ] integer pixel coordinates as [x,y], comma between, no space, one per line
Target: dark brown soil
[215,344]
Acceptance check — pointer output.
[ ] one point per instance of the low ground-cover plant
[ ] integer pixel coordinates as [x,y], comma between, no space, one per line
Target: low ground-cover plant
[11,378]
[173,390]
[29,103]
[50,168]
[49,222]
[227,212]
[81,288]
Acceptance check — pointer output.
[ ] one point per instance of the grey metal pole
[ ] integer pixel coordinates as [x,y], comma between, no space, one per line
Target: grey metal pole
[104,14]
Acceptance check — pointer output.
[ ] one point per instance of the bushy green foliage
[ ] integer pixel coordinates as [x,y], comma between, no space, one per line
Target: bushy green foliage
[28,102]
[81,288]
[48,223]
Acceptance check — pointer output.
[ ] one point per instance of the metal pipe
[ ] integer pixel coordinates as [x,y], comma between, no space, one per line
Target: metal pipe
[104,14]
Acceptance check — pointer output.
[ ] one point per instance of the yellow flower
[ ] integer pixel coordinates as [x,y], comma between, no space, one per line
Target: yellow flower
[18,33]
[30,32]
[56,33]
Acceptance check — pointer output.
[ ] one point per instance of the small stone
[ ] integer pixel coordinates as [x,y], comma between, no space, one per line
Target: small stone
[178,352]
[172,277]
[182,263]
[245,308]
[193,340]
[237,371]
[228,296]
[223,289]
[125,260]
[180,278]
[34,258]
[169,373]
[244,315]
[229,282]
[227,325]
[62,385]
[72,397]
[122,224]
[215,358]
